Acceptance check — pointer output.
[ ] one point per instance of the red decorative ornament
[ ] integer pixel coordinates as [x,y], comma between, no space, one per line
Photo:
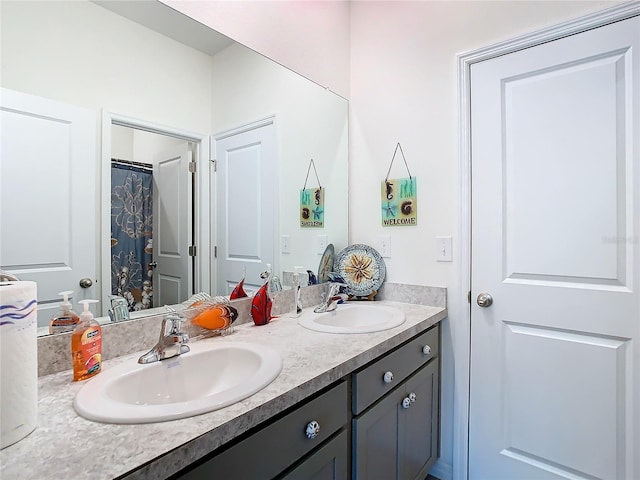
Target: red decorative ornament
[261,306]
[238,291]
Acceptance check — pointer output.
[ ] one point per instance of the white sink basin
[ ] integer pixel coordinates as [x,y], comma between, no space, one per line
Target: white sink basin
[213,375]
[353,318]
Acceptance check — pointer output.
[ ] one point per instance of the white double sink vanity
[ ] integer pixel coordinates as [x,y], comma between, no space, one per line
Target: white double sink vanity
[285,400]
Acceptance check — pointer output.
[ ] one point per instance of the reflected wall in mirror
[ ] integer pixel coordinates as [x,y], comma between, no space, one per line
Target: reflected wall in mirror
[80,54]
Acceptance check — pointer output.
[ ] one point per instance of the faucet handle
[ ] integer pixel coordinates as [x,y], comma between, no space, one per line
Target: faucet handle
[176,323]
[175,331]
[335,287]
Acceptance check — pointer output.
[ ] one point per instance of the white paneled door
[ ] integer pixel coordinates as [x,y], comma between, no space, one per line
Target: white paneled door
[246,199]
[172,226]
[555,385]
[48,197]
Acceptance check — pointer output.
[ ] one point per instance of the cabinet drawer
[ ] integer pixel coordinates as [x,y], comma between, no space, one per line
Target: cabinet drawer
[275,447]
[369,383]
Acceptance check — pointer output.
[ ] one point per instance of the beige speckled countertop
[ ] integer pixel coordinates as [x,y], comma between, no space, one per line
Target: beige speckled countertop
[66,446]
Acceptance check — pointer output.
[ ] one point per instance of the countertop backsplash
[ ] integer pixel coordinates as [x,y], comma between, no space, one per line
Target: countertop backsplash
[122,338]
[415,294]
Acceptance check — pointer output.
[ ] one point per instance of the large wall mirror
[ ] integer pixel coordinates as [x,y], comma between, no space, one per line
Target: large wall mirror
[155,84]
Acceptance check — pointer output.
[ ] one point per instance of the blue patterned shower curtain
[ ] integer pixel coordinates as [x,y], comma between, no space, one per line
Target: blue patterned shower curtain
[131,234]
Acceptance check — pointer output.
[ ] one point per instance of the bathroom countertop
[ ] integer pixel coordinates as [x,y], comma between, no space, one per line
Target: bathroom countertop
[66,446]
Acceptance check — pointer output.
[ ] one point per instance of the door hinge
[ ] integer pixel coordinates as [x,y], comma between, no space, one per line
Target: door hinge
[192,250]
[215,251]
[215,164]
[192,167]
[469,296]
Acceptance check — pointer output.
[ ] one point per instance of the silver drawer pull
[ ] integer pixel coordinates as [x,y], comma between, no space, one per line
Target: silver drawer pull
[408,400]
[387,377]
[313,429]
[426,349]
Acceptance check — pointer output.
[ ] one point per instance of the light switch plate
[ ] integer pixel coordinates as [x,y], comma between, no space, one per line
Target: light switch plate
[322,244]
[285,244]
[384,246]
[443,249]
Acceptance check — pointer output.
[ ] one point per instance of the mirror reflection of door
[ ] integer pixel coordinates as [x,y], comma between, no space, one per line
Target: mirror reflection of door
[47,192]
[246,191]
[172,278]
[151,212]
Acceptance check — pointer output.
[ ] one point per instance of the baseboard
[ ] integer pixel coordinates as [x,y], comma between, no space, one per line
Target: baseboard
[442,470]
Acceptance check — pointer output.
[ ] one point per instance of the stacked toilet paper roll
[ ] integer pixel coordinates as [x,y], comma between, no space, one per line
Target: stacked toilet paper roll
[18,361]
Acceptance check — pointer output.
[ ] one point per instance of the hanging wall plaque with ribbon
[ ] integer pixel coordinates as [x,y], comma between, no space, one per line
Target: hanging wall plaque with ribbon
[399,198]
[312,202]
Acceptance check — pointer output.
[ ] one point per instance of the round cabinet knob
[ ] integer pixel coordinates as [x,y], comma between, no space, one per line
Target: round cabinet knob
[313,429]
[86,282]
[408,400]
[387,377]
[153,264]
[484,300]
[426,349]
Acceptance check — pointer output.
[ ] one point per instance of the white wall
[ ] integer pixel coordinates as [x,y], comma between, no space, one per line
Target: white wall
[311,123]
[83,54]
[404,89]
[140,146]
[122,142]
[311,37]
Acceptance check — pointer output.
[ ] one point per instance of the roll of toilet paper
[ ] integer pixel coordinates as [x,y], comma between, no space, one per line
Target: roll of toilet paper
[18,361]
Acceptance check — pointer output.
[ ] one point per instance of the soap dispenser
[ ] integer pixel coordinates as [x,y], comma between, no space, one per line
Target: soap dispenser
[86,345]
[65,319]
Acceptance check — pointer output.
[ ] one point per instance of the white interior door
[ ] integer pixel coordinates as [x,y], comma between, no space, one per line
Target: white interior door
[172,226]
[555,364]
[246,191]
[48,196]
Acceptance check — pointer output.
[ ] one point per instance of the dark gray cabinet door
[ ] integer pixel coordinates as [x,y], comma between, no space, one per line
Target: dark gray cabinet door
[396,441]
[418,425]
[330,462]
[375,441]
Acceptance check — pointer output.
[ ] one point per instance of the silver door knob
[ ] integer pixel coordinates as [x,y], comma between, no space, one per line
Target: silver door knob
[485,300]
[86,282]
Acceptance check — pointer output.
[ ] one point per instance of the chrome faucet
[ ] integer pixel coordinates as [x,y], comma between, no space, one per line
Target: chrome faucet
[170,344]
[119,309]
[333,297]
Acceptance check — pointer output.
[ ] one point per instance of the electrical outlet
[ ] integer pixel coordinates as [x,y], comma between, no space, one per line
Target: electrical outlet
[443,249]
[285,244]
[322,244]
[384,246]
